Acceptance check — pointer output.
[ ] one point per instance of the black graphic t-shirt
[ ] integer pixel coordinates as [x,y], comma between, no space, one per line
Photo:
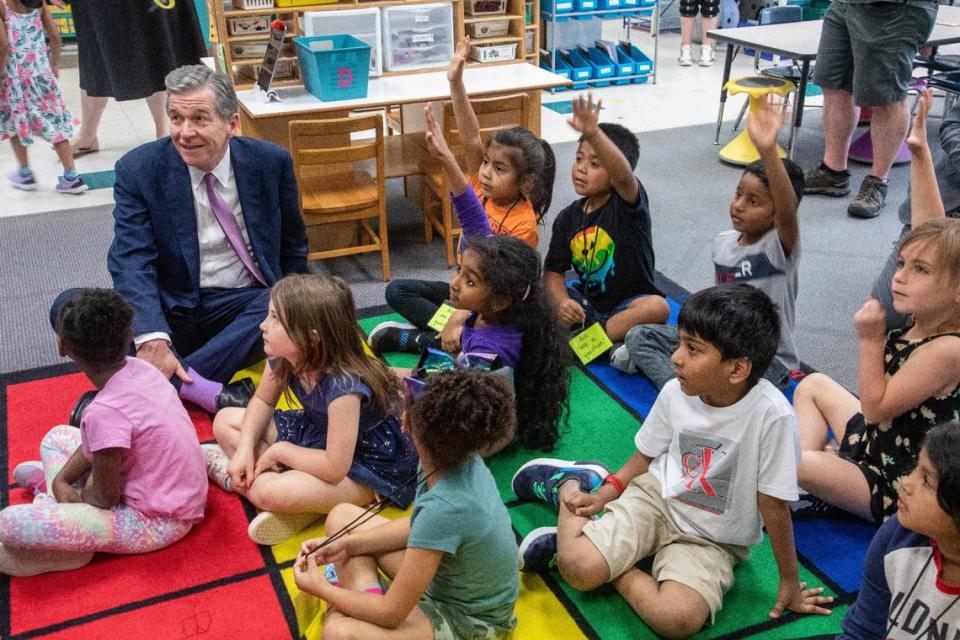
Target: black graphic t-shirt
[610,249]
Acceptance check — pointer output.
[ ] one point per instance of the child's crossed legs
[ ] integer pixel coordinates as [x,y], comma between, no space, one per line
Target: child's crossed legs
[689,574]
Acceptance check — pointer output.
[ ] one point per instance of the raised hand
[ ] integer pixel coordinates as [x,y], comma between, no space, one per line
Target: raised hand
[586,115]
[764,121]
[917,140]
[870,321]
[436,144]
[460,55]
[797,598]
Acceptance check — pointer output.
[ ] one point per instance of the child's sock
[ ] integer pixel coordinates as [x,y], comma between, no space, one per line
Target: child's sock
[201,392]
[71,175]
[26,172]
[374,588]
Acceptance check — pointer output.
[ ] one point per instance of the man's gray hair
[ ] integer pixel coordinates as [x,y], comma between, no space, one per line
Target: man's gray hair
[190,78]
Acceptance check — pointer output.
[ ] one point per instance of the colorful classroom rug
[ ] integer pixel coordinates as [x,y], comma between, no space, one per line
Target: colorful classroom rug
[217,584]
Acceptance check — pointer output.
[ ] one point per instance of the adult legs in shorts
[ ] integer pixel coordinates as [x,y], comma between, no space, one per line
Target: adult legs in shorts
[709,10]
[819,402]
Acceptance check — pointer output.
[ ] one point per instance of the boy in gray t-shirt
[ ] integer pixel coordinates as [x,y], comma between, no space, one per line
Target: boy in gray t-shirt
[762,249]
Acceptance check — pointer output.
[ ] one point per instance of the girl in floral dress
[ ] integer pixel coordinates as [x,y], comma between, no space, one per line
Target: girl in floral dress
[30,100]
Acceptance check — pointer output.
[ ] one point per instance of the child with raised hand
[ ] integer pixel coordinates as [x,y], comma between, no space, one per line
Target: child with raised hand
[30,100]
[513,177]
[130,479]
[345,445]
[911,580]
[762,249]
[715,462]
[605,235]
[453,562]
[909,378]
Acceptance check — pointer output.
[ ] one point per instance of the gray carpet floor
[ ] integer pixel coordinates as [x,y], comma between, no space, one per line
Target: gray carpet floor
[689,190]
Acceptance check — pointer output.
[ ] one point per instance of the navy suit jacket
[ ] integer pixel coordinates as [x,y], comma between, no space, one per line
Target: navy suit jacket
[155,255]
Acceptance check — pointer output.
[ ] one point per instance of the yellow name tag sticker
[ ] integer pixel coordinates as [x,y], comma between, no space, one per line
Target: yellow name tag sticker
[590,343]
[441,317]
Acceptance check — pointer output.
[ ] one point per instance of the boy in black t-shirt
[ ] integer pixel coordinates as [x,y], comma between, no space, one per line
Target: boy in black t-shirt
[605,235]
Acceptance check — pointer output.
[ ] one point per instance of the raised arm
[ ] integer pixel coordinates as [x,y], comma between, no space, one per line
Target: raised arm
[925,201]
[763,125]
[585,118]
[467,124]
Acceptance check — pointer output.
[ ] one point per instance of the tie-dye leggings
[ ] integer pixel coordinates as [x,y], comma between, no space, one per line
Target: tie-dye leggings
[79,527]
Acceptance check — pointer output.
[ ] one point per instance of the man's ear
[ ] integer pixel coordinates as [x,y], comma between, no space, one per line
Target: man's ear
[740,369]
[62,348]
[234,123]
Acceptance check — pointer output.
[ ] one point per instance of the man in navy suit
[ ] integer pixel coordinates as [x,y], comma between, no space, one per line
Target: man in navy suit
[205,223]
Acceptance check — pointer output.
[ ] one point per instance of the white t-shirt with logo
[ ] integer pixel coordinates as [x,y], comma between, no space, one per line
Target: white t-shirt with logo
[712,461]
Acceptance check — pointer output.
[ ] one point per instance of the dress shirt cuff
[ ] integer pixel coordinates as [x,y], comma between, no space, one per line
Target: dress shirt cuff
[147,337]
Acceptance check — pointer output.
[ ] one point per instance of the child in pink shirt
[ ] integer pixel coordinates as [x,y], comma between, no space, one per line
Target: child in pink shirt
[131,479]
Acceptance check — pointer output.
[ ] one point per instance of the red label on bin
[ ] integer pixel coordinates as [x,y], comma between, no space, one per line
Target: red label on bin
[345,77]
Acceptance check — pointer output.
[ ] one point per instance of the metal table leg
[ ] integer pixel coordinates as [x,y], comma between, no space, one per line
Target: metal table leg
[727,62]
[798,107]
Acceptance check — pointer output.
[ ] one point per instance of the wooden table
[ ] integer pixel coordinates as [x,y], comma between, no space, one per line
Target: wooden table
[800,41]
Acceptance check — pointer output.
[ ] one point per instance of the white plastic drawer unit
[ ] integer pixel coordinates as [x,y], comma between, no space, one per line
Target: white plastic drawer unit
[417,36]
[360,23]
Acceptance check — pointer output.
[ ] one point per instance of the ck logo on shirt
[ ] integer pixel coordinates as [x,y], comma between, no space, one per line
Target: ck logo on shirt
[708,465]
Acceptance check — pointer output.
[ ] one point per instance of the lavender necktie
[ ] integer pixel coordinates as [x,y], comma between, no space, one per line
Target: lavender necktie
[231,228]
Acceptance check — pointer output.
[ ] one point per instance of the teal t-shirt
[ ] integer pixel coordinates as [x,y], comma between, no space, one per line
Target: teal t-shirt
[462,516]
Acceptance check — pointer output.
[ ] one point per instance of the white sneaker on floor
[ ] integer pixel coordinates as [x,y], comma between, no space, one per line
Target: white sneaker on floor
[686,55]
[706,56]
[269,527]
[620,360]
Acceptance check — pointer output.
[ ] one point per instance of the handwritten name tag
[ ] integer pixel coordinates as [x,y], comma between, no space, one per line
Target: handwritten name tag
[590,343]
[441,317]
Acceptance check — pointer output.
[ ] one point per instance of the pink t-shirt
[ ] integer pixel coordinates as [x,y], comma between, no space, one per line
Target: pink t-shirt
[164,473]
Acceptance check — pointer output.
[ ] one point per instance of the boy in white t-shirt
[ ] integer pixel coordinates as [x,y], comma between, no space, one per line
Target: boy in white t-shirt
[717,458]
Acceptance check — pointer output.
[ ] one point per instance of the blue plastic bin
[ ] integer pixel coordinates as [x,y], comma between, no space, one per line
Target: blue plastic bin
[605,5]
[602,68]
[642,64]
[584,5]
[579,67]
[558,8]
[625,66]
[334,67]
[562,69]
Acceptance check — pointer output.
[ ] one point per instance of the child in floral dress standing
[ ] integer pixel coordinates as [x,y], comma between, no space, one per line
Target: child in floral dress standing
[30,100]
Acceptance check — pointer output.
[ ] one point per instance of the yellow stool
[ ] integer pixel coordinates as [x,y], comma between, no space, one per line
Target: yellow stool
[741,150]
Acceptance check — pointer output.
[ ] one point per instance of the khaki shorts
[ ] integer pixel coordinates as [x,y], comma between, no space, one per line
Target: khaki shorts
[637,525]
[450,623]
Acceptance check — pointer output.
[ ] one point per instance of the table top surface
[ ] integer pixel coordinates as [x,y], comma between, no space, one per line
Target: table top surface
[405,89]
[800,40]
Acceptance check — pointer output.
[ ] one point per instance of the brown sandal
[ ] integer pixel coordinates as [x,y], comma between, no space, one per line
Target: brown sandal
[93,147]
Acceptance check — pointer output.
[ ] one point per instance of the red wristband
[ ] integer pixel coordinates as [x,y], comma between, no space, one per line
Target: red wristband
[617,483]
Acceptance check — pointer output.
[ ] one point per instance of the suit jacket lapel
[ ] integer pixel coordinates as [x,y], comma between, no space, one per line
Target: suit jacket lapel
[179,196]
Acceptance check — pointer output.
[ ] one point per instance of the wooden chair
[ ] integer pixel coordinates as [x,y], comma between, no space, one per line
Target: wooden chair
[336,184]
[493,114]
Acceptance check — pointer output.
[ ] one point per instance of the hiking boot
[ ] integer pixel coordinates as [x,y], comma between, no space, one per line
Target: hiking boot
[540,479]
[393,336]
[870,199]
[686,56]
[217,461]
[538,551]
[826,182]
[269,527]
[29,475]
[620,360]
[706,56]
[73,185]
[23,182]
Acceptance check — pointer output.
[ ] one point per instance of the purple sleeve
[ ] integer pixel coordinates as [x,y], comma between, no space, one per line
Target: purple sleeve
[473,219]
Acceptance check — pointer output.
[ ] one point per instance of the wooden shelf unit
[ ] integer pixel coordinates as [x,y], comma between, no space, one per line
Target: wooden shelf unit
[243,70]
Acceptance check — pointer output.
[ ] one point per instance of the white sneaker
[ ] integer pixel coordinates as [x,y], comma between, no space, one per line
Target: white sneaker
[269,527]
[706,56]
[620,360]
[686,55]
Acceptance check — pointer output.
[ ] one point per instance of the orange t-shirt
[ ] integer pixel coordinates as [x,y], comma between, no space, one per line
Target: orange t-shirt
[517,220]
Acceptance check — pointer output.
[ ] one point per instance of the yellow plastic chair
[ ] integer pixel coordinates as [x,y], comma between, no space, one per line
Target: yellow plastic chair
[741,150]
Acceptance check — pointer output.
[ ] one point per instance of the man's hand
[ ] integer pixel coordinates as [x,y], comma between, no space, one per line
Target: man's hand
[917,140]
[796,597]
[764,122]
[460,55]
[586,115]
[571,312]
[870,321]
[64,493]
[158,353]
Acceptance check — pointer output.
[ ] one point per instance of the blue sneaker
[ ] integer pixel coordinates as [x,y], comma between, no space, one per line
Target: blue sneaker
[392,336]
[540,479]
[538,551]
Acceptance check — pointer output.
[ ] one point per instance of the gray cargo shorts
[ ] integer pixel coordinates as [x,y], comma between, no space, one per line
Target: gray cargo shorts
[868,49]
